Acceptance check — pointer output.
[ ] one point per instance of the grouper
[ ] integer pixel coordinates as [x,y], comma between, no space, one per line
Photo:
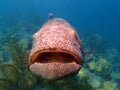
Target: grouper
[56,51]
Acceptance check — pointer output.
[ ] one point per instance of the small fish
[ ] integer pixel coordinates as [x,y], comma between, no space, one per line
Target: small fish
[56,51]
[50,15]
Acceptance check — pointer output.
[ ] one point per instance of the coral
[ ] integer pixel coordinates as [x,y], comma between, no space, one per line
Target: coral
[86,77]
[83,74]
[16,52]
[9,76]
[27,80]
[5,84]
[95,83]
[100,67]
[17,70]
[9,71]
[92,65]
[108,85]
[83,80]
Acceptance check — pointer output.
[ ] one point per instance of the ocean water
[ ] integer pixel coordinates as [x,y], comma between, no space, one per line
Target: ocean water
[97,23]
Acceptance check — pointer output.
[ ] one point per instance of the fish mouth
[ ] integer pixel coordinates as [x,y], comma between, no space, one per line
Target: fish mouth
[54,64]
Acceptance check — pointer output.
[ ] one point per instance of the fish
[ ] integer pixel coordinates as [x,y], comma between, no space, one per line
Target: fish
[50,15]
[56,50]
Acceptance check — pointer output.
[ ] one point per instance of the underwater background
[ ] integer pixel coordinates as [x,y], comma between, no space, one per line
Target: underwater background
[98,25]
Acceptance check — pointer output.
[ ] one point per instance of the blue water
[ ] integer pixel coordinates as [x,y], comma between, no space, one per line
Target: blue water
[86,16]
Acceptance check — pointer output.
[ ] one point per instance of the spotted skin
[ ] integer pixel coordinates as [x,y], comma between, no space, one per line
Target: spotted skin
[56,50]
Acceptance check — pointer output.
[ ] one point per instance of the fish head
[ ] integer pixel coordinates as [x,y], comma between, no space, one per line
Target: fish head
[56,50]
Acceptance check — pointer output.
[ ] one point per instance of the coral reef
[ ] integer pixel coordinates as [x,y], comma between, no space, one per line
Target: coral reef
[107,85]
[100,67]
[96,83]
[17,69]
[92,65]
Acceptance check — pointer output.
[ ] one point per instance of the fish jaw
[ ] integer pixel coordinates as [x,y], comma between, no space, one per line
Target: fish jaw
[54,70]
[56,50]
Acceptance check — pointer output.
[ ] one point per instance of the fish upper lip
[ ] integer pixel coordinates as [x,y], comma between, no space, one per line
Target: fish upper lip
[49,56]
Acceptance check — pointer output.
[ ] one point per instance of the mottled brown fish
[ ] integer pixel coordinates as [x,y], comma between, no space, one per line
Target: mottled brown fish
[56,50]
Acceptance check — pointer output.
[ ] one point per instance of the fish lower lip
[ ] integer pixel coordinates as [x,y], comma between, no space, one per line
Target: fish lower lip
[54,69]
